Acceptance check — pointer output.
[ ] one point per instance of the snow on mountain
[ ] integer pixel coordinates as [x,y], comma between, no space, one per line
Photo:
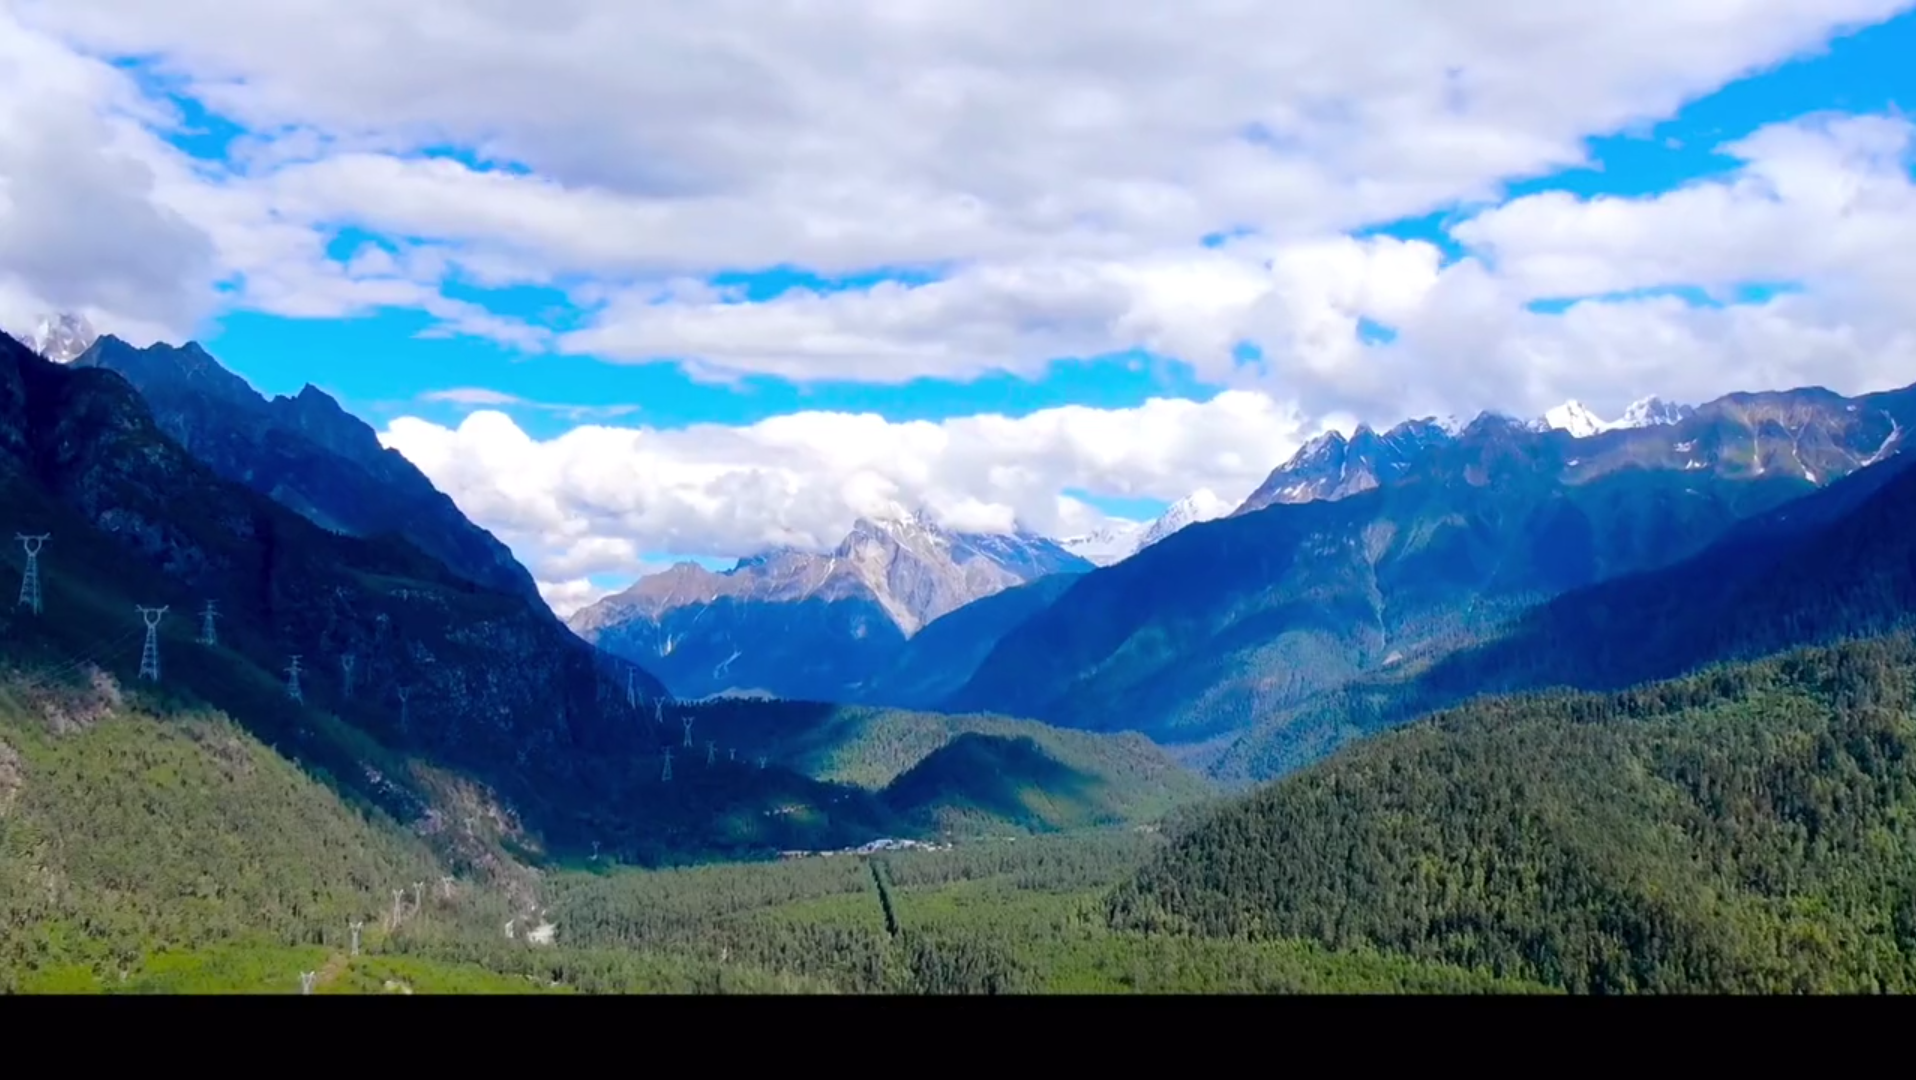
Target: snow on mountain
[1116,542]
[1653,412]
[63,337]
[1574,418]
[1199,506]
[1122,539]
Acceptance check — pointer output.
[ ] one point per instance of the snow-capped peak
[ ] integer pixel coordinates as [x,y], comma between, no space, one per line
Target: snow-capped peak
[1116,541]
[63,337]
[1201,505]
[1120,539]
[1652,412]
[1573,417]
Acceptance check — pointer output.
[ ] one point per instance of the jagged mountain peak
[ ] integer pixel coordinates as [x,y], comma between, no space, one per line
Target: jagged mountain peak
[1653,411]
[1574,418]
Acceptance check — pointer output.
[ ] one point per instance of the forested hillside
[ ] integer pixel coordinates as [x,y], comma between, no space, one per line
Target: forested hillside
[1836,564]
[1749,829]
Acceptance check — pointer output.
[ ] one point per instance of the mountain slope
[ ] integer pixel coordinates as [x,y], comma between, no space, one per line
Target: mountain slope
[1836,564]
[504,709]
[125,833]
[1233,622]
[308,454]
[809,626]
[1752,829]
[939,659]
[980,782]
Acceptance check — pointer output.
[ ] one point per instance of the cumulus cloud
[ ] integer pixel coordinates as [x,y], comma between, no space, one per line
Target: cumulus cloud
[1047,169]
[595,500]
[1059,164]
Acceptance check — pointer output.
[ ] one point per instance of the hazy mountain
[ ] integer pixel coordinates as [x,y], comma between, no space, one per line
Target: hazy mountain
[1122,539]
[812,625]
[1411,545]
[308,454]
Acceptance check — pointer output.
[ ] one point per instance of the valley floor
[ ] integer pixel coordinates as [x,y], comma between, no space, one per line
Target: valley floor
[1023,916]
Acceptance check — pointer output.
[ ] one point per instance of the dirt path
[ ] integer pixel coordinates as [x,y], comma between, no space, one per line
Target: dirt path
[336,966]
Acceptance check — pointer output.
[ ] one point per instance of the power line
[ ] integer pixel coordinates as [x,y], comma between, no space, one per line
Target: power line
[30,579]
[150,652]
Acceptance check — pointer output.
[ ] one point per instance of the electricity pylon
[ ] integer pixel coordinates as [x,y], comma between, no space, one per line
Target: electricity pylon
[30,580]
[150,652]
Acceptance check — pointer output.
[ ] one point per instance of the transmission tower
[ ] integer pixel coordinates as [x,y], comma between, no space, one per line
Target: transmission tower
[150,652]
[357,926]
[761,761]
[405,692]
[346,675]
[208,635]
[658,710]
[711,752]
[30,580]
[688,731]
[292,680]
[631,690]
[306,981]
[731,753]
[667,775]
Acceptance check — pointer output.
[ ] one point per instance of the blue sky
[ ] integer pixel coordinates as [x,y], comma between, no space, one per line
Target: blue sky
[817,198]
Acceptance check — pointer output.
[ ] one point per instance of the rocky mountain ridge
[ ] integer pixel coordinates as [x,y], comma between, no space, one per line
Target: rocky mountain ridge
[802,624]
[307,453]
[1396,548]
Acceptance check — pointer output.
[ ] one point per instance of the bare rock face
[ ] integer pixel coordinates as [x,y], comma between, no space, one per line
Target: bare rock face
[812,625]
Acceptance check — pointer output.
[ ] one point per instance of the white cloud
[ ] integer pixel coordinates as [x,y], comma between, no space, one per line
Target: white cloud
[1056,164]
[566,597]
[597,499]
[1063,161]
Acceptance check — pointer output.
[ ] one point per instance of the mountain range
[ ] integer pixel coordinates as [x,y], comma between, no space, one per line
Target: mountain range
[813,626]
[452,706]
[1386,551]
[1744,827]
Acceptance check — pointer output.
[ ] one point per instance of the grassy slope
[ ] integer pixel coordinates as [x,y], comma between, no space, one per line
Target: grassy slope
[1749,829]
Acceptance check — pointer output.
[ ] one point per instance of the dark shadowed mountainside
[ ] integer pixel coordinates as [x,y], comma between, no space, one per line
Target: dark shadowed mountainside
[308,454]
